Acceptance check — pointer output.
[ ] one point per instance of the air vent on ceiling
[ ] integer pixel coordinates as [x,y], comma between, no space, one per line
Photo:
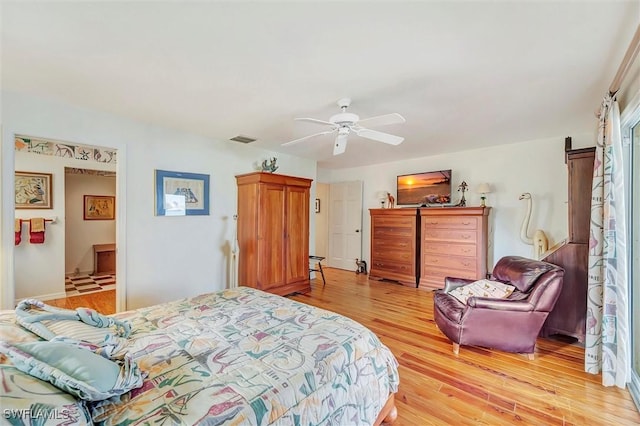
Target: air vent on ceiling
[243,139]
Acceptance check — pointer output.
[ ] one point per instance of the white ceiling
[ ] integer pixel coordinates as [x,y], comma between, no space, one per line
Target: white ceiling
[463,74]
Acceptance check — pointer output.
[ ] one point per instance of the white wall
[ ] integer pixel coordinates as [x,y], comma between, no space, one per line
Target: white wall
[80,234]
[159,258]
[537,167]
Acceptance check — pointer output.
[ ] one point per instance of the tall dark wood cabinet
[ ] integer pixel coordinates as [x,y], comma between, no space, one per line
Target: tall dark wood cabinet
[569,314]
[273,232]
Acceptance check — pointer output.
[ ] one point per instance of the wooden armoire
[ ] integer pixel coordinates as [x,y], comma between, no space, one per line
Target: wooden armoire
[273,232]
[569,314]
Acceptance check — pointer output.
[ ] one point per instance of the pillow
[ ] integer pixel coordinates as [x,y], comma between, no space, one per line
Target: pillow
[80,324]
[482,288]
[75,370]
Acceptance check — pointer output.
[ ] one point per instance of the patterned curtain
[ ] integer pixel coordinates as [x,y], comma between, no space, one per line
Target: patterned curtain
[607,329]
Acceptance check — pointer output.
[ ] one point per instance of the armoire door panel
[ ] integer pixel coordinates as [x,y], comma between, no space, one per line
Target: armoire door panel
[297,234]
[271,240]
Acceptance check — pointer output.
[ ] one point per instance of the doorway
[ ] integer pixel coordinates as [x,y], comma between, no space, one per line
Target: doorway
[90,264]
[345,224]
[47,260]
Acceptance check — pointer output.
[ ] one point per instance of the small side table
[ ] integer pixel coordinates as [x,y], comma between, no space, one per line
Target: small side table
[318,269]
[104,259]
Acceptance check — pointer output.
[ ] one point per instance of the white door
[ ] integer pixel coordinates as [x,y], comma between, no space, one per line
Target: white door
[345,224]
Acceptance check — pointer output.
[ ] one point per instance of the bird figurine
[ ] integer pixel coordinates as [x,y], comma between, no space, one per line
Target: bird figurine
[270,166]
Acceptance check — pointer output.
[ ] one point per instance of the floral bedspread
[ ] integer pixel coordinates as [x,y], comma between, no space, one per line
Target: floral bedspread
[243,356]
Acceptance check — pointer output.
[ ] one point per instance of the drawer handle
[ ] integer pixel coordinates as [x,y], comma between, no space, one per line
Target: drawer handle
[466,237]
[466,250]
[466,223]
[466,264]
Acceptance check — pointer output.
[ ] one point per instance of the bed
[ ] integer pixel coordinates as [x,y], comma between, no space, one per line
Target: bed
[235,357]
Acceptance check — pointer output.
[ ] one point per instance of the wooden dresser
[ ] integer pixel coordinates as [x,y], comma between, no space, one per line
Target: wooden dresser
[394,252]
[273,232]
[453,243]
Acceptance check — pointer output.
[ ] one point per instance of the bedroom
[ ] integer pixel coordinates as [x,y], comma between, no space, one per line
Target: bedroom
[151,247]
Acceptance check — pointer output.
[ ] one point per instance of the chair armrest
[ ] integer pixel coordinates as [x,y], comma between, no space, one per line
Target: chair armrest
[499,304]
[450,283]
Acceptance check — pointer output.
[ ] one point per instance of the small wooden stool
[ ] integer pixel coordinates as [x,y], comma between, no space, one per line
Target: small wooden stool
[319,269]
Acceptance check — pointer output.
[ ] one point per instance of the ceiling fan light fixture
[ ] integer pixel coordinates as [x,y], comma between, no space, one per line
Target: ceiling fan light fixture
[344,122]
[344,118]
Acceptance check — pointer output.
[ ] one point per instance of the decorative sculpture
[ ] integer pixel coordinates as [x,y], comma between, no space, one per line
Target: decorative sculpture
[462,188]
[539,241]
[392,201]
[271,166]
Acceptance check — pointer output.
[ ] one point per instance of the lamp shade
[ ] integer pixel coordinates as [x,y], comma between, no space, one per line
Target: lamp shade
[483,188]
[381,195]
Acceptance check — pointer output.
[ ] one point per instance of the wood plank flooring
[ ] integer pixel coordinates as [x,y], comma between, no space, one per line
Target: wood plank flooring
[480,386]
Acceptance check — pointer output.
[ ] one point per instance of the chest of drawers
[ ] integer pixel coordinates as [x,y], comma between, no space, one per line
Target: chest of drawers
[453,242]
[394,253]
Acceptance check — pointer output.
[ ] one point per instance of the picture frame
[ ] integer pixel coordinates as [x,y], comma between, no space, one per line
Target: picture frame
[317,205]
[33,190]
[181,193]
[99,207]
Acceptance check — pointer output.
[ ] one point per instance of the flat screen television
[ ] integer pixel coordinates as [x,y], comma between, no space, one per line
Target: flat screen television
[428,188]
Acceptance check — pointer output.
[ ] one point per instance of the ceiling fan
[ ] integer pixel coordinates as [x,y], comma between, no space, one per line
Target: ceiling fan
[345,122]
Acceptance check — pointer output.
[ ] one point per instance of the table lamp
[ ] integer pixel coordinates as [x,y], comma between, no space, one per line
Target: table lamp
[483,189]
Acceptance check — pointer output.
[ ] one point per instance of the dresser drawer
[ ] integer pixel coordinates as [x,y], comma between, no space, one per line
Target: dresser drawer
[393,244]
[433,277]
[451,262]
[453,235]
[401,267]
[394,221]
[384,254]
[393,231]
[450,222]
[449,248]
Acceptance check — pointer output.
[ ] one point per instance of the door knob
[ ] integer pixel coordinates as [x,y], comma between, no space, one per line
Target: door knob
[357,230]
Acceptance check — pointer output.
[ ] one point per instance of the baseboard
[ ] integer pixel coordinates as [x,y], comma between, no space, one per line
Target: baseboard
[44,297]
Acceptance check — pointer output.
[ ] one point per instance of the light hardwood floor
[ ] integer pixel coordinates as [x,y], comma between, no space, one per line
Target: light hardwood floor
[480,386]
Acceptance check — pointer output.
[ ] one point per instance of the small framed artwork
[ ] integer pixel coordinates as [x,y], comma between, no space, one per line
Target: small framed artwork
[181,194]
[33,190]
[317,205]
[99,207]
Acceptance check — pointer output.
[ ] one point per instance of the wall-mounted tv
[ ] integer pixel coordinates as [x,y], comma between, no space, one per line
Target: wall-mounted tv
[426,188]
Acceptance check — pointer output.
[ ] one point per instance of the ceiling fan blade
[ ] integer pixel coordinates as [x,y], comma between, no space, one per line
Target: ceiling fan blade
[379,136]
[307,137]
[382,120]
[314,120]
[340,144]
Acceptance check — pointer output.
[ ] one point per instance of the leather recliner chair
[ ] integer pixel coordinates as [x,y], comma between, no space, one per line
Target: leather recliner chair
[510,324]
